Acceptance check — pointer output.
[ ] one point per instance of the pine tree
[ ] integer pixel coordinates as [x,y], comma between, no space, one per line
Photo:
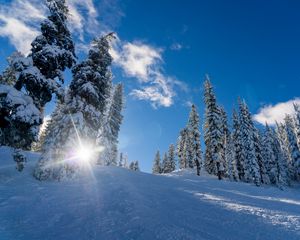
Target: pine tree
[284,144]
[293,146]
[52,52]
[225,138]
[259,156]
[19,118]
[269,155]
[108,136]
[165,166]
[171,158]
[251,168]
[181,149]
[297,123]
[282,177]
[156,164]
[78,119]
[237,146]
[212,132]
[232,172]
[9,76]
[194,136]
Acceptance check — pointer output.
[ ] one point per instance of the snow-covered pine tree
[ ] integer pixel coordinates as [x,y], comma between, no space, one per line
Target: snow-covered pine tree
[156,163]
[165,166]
[237,146]
[171,158]
[212,132]
[51,53]
[181,148]
[251,167]
[259,156]
[225,138]
[282,177]
[194,137]
[232,172]
[269,155]
[284,144]
[297,123]
[19,118]
[108,135]
[77,120]
[293,146]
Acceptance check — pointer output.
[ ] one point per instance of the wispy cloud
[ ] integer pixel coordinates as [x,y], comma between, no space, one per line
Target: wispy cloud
[20,20]
[275,113]
[145,63]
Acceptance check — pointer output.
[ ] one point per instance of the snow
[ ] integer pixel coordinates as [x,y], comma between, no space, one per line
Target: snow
[116,203]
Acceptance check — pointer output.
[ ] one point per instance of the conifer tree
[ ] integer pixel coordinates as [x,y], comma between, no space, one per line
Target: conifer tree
[78,119]
[232,172]
[297,123]
[282,177]
[51,53]
[259,156]
[171,158]
[293,146]
[20,159]
[108,135]
[156,164]
[284,144]
[251,168]
[181,149]
[165,164]
[269,155]
[212,132]
[225,137]
[194,137]
[237,146]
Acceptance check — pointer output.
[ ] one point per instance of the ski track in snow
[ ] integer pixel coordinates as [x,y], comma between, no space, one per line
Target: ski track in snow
[114,203]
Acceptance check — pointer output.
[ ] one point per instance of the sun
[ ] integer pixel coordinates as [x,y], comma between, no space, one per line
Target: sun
[85,153]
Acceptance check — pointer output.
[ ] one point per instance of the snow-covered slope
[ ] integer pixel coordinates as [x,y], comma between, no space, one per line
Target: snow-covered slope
[115,203]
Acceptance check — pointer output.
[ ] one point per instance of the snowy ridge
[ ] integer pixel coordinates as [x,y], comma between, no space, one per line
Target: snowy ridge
[116,203]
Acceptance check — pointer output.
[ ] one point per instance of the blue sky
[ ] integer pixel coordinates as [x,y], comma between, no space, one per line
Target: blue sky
[249,49]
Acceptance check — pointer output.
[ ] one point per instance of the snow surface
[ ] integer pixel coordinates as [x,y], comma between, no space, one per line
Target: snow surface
[116,203]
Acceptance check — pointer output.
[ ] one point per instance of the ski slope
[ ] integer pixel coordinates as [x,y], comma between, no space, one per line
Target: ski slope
[115,203]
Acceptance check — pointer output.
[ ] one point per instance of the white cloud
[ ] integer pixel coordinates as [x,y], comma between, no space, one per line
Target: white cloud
[144,62]
[20,20]
[275,113]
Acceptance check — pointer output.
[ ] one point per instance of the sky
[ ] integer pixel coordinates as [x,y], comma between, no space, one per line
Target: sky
[164,50]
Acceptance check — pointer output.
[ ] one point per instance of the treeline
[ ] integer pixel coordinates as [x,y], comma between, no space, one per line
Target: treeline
[238,151]
[87,113]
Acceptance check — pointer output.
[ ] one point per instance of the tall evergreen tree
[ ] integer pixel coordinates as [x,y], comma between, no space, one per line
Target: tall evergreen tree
[259,156]
[232,172]
[171,158]
[110,127]
[225,138]
[297,123]
[237,146]
[194,136]
[165,166]
[284,144]
[212,132]
[251,168]
[181,148]
[293,146]
[156,164]
[269,155]
[51,53]
[78,119]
